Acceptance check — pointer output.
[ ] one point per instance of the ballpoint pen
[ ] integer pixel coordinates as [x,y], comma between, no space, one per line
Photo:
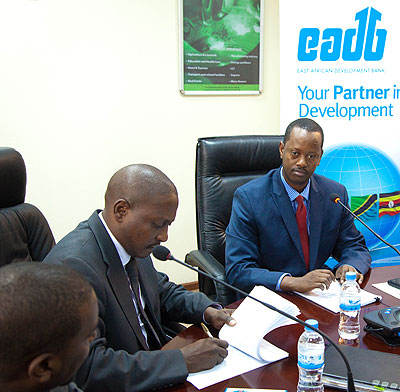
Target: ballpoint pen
[206,331]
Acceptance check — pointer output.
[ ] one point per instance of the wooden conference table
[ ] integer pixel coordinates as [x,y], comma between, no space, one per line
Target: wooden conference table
[284,374]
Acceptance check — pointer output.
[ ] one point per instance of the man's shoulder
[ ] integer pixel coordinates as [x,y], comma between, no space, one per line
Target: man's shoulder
[80,243]
[260,184]
[71,387]
[327,184]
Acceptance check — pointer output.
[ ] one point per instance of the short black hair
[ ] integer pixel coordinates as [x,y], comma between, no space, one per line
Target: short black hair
[306,124]
[40,312]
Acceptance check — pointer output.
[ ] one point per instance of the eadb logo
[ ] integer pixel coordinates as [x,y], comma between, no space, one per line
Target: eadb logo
[334,43]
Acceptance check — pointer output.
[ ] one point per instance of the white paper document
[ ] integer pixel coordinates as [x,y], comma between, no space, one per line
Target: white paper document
[329,299]
[253,390]
[247,348]
[387,289]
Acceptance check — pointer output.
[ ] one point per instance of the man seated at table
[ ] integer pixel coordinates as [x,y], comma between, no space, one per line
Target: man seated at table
[48,317]
[284,226]
[112,250]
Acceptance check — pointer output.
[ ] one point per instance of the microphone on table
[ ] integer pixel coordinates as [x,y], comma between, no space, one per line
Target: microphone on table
[162,253]
[336,199]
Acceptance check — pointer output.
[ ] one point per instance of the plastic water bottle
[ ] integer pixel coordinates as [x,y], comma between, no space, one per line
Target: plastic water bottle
[310,359]
[350,303]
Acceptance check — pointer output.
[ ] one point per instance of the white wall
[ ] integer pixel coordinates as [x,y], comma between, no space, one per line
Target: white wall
[89,86]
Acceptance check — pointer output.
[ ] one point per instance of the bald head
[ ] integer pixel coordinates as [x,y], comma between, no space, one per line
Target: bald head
[140,204]
[137,183]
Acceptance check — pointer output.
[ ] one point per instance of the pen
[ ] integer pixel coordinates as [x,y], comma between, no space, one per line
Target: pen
[206,331]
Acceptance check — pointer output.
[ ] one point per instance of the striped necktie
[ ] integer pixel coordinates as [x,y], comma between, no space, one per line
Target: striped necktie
[131,268]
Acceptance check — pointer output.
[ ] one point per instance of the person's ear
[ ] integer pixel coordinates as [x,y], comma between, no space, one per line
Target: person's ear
[121,207]
[281,147]
[319,159]
[42,368]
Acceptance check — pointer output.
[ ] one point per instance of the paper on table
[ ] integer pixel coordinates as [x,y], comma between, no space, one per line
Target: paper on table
[253,390]
[234,364]
[329,299]
[247,348]
[387,289]
[254,321]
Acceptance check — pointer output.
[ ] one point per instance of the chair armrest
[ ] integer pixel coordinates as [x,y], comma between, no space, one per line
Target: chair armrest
[209,264]
[172,328]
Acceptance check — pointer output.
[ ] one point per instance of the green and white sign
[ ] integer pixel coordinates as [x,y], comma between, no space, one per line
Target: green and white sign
[221,46]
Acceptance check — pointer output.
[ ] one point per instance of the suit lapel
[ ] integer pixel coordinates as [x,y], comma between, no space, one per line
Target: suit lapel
[284,207]
[316,214]
[146,287]
[116,275]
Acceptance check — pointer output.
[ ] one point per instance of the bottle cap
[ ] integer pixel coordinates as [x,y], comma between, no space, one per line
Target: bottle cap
[351,275]
[313,323]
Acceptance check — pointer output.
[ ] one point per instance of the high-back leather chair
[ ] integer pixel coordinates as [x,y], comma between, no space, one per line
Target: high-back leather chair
[222,165]
[25,234]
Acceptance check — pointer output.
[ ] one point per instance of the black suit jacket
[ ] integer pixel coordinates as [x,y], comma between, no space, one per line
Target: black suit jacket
[118,360]
[71,387]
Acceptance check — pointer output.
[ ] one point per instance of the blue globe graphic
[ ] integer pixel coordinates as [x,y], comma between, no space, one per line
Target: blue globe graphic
[364,170]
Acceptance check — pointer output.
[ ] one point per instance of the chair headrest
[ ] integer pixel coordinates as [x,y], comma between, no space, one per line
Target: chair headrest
[12,177]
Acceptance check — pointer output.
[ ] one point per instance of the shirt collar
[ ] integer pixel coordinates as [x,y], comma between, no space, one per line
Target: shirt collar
[292,193]
[123,255]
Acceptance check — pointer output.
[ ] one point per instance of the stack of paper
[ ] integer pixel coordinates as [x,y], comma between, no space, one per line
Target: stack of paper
[247,348]
[329,299]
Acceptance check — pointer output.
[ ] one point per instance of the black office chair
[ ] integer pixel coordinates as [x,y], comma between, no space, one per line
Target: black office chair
[222,165]
[25,234]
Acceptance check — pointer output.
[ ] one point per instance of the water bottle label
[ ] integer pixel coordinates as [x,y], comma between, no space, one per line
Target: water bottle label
[310,361]
[351,305]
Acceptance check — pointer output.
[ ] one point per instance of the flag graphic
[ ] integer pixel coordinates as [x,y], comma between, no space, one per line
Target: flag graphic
[365,207]
[389,203]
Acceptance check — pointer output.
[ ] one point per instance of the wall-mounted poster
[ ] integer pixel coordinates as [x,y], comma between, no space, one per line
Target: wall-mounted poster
[221,46]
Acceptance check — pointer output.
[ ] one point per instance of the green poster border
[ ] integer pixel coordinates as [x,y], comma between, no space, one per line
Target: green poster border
[223,88]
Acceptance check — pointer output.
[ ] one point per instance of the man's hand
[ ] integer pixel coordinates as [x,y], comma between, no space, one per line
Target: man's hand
[341,273]
[218,317]
[204,354]
[319,278]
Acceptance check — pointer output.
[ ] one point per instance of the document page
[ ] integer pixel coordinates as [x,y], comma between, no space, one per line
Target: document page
[254,321]
[387,289]
[247,348]
[329,299]
[235,364]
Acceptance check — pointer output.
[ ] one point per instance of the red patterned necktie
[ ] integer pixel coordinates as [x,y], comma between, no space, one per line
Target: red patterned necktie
[301,218]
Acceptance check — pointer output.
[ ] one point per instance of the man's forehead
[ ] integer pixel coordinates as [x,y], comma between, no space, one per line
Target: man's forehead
[299,135]
[160,207]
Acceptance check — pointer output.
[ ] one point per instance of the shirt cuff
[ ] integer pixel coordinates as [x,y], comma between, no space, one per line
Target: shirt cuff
[278,285]
[214,305]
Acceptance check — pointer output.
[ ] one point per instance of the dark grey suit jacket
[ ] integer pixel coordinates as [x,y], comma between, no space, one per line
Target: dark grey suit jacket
[118,360]
[71,387]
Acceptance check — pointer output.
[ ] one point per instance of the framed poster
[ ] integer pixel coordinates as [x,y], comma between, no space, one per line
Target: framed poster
[221,47]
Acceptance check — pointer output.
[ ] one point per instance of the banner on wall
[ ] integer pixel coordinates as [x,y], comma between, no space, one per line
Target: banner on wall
[221,46]
[339,66]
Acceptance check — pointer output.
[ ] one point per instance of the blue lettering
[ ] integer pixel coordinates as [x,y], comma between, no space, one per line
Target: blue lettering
[305,107]
[337,90]
[308,39]
[330,50]
[369,55]
[313,112]
[357,43]
[348,54]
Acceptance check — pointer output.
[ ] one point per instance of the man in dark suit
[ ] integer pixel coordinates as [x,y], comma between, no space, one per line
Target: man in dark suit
[284,226]
[48,317]
[111,249]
